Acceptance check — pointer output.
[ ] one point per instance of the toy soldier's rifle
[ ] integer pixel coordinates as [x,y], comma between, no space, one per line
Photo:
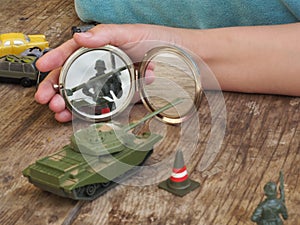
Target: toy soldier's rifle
[113,61]
[281,187]
[70,92]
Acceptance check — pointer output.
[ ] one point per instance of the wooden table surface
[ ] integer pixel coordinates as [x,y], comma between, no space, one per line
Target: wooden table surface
[262,137]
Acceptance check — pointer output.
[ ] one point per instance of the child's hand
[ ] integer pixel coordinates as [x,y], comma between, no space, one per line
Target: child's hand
[126,37]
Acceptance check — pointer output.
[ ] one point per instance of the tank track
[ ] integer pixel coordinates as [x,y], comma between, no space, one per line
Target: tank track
[93,191]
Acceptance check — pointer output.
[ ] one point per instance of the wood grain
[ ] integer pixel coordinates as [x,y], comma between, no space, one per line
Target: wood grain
[262,137]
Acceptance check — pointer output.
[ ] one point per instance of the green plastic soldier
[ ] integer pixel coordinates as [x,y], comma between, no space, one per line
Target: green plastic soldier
[268,212]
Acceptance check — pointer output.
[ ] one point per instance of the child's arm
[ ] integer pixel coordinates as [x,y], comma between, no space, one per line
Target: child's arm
[262,59]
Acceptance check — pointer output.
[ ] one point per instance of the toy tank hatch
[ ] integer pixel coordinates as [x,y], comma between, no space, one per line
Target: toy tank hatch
[94,162]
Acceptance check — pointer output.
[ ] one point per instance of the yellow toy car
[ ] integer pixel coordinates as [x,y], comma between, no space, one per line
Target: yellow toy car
[16,43]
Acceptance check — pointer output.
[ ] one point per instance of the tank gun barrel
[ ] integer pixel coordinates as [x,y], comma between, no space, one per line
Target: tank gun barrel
[94,79]
[150,115]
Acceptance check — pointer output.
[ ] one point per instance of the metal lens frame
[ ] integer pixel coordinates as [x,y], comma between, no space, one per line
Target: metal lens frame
[187,59]
[75,58]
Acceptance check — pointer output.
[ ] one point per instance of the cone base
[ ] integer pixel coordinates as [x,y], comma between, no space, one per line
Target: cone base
[179,192]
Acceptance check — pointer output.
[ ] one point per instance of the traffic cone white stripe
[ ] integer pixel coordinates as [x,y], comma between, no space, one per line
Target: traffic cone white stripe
[179,175]
[179,182]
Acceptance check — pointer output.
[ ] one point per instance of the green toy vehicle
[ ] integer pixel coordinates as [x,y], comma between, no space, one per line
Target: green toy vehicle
[20,70]
[97,158]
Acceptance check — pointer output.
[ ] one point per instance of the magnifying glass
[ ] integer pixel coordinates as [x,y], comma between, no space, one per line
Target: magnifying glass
[98,84]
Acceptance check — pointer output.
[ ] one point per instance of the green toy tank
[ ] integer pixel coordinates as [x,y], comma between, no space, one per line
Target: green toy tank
[97,158]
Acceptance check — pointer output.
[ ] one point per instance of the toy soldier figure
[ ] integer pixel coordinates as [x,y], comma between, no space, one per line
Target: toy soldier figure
[103,86]
[268,212]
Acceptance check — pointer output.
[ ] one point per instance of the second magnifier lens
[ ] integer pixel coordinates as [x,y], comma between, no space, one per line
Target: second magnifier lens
[166,74]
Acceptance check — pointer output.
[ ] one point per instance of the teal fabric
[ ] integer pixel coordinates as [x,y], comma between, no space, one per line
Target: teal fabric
[190,13]
[294,7]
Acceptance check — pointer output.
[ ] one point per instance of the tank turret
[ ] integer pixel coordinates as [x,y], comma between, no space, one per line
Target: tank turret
[106,138]
[97,158]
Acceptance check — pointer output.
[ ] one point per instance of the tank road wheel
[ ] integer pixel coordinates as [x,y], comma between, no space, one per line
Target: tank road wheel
[105,185]
[80,191]
[91,189]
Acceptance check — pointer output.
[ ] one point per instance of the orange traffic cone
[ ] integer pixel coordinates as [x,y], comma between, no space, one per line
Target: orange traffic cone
[179,182]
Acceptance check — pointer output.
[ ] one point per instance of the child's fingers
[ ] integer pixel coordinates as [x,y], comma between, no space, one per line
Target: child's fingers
[149,76]
[133,39]
[57,103]
[113,34]
[64,116]
[56,57]
[46,90]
